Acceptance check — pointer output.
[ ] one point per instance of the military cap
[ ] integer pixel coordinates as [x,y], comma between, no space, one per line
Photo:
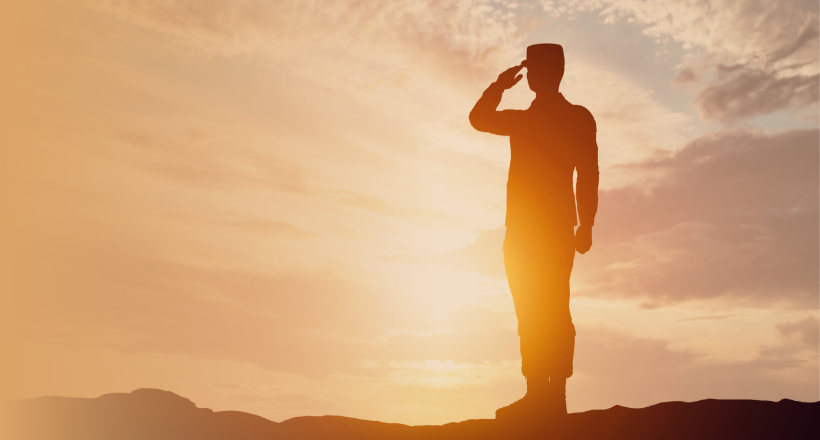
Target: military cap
[545,56]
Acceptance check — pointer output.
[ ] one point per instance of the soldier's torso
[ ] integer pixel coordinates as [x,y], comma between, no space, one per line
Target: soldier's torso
[544,149]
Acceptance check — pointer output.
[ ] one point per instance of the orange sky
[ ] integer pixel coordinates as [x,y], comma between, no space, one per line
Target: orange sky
[280,207]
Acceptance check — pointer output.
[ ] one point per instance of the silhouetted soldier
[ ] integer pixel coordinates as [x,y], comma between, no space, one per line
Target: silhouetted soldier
[548,142]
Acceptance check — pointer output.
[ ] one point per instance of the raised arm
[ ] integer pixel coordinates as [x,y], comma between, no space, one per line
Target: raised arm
[484,116]
[586,187]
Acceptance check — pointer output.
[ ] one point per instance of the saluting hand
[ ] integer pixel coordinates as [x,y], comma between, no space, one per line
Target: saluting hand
[583,239]
[508,78]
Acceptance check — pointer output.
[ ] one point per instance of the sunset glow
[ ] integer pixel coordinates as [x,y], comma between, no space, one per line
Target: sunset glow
[280,207]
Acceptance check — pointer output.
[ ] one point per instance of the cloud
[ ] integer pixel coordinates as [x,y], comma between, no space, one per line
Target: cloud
[605,353]
[734,215]
[776,44]
[808,330]
[744,30]
[685,76]
[743,92]
[463,38]
[694,260]
[797,342]
[706,318]
[432,57]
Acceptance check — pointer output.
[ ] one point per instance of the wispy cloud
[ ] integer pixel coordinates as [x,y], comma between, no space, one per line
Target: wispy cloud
[706,318]
[773,44]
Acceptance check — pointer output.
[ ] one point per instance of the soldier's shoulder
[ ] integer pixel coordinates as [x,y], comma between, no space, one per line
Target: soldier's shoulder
[585,116]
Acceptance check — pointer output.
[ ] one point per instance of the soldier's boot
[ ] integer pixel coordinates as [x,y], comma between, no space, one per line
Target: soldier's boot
[528,407]
[556,399]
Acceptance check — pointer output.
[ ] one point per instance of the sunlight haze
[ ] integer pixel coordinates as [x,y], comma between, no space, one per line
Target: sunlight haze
[280,207]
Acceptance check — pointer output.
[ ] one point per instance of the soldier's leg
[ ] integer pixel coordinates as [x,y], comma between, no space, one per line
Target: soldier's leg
[561,345]
[538,268]
[560,338]
[522,276]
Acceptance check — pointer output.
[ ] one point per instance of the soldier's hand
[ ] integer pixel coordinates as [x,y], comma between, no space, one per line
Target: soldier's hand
[508,77]
[583,239]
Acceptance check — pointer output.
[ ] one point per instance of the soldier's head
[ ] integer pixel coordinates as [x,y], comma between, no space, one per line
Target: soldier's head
[545,67]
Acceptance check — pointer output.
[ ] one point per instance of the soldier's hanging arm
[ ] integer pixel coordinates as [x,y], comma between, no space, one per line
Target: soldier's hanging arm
[586,187]
[484,116]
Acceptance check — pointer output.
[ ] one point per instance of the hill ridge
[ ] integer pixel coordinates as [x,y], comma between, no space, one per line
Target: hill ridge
[149,413]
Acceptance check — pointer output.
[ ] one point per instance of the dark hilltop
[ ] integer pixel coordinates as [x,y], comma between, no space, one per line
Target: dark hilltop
[158,415]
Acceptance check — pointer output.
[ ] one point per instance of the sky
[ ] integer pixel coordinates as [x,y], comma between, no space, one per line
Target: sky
[280,207]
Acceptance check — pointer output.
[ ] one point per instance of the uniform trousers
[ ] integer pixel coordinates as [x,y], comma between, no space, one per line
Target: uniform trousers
[538,265]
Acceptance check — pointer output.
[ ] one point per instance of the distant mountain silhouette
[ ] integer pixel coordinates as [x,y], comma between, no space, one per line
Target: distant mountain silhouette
[149,414]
